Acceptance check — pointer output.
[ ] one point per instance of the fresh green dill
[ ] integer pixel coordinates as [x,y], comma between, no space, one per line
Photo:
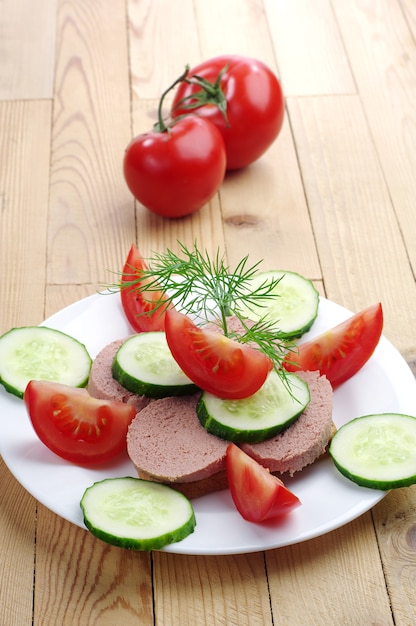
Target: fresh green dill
[207,288]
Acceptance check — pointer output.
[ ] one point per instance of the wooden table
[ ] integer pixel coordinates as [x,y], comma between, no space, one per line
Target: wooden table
[333,199]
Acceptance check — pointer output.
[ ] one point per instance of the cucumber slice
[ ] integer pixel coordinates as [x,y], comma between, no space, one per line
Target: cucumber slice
[377,451]
[145,366]
[261,416]
[137,514]
[295,307]
[41,353]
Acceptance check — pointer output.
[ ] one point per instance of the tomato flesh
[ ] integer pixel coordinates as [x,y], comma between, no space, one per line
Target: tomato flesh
[140,309]
[215,363]
[254,100]
[341,352]
[75,426]
[257,494]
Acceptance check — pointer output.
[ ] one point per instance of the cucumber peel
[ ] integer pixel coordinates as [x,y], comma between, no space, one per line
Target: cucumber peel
[273,408]
[137,514]
[377,451]
[41,353]
[144,365]
[293,306]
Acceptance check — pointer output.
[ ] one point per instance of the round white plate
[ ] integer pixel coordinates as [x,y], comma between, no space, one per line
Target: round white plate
[385,384]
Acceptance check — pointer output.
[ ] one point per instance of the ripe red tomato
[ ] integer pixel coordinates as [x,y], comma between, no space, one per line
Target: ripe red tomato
[215,363]
[142,310]
[254,105]
[341,352]
[257,494]
[175,172]
[75,426]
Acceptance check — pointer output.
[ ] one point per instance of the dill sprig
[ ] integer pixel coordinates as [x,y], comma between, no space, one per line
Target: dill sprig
[207,288]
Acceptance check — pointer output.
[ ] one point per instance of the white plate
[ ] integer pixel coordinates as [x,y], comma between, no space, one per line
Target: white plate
[384,384]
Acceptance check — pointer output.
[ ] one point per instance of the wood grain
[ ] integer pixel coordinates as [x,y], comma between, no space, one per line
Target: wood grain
[24,189]
[102,585]
[395,522]
[236,27]
[27,50]
[88,196]
[265,214]
[359,239]
[163,40]
[382,54]
[211,590]
[324,581]
[17,549]
[309,50]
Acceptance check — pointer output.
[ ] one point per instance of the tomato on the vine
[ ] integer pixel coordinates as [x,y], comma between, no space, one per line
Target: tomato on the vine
[215,363]
[257,494]
[340,352]
[75,426]
[175,171]
[242,97]
[144,311]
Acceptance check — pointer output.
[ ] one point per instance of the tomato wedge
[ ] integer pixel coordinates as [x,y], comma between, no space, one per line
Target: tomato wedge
[341,352]
[139,308]
[257,494]
[75,426]
[217,364]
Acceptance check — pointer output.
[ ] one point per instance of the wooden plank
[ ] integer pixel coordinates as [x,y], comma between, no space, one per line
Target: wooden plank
[27,59]
[82,580]
[162,37]
[360,244]
[209,590]
[24,183]
[328,580]
[265,214]
[382,53]
[308,47]
[17,548]
[409,10]
[234,27]
[395,521]
[89,200]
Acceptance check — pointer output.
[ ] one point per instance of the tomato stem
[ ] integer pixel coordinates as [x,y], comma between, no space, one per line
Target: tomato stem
[160,125]
[209,93]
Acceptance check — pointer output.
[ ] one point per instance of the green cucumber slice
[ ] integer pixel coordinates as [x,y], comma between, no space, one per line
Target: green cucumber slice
[295,307]
[41,353]
[137,514]
[145,366]
[377,451]
[270,410]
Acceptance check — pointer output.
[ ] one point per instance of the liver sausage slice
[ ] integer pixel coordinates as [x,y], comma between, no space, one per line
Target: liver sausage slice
[167,443]
[101,383]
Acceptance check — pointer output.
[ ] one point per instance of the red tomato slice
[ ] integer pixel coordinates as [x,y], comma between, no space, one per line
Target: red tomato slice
[215,363]
[257,494]
[137,306]
[340,352]
[75,426]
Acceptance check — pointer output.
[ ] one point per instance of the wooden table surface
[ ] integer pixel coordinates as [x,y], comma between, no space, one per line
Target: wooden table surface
[333,199]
